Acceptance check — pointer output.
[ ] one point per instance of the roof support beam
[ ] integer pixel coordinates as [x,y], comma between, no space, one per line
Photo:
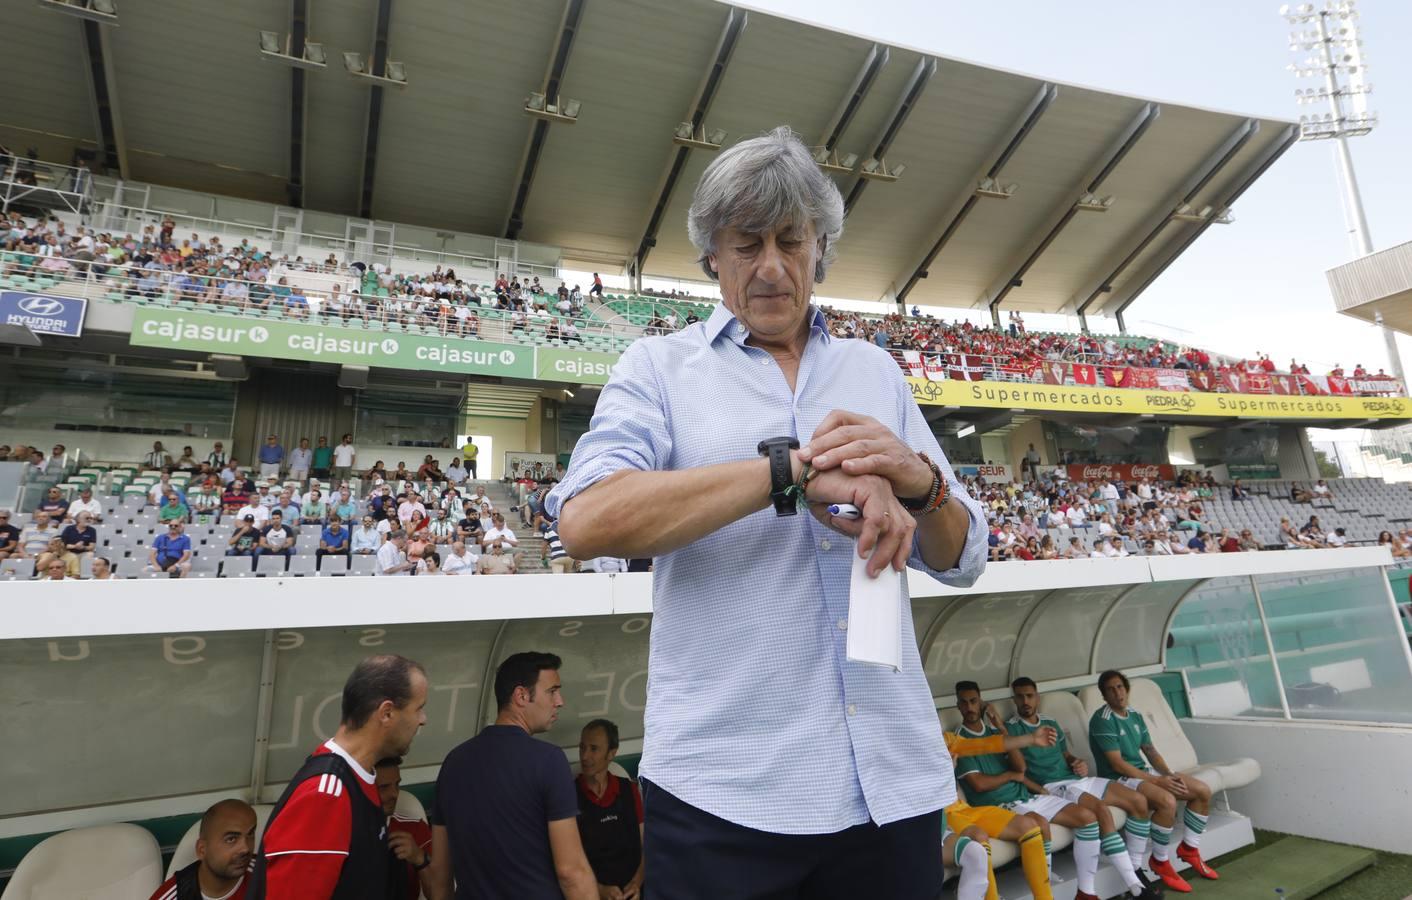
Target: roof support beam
[539,132]
[1152,228]
[1155,267]
[961,206]
[102,90]
[873,63]
[1013,272]
[735,23]
[377,66]
[298,103]
[926,68]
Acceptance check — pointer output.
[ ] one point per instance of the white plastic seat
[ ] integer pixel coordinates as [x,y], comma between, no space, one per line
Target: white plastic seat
[185,853]
[302,564]
[1172,742]
[105,862]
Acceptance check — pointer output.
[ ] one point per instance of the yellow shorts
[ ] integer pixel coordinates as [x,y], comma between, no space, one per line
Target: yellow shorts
[990,819]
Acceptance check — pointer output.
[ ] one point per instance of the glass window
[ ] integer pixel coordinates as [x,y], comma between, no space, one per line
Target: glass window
[1254,449]
[108,402]
[976,642]
[1097,444]
[397,419]
[1218,641]
[1341,650]
[1058,642]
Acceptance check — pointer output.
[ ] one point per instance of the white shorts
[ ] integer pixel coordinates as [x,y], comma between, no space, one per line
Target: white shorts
[298,474]
[1047,805]
[1074,789]
[269,470]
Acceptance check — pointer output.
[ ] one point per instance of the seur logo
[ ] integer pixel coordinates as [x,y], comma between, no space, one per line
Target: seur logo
[41,306]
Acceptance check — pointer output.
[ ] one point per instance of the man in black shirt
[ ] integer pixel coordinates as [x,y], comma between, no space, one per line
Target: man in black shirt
[9,536]
[505,816]
[610,815]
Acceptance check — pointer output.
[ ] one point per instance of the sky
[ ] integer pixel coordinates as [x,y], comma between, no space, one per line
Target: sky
[1257,285]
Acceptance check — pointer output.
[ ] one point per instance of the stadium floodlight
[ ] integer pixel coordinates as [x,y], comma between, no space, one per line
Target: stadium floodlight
[540,106]
[990,187]
[395,73]
[877,170]
[104,12]
[966,432]
[697,139]
[311,55]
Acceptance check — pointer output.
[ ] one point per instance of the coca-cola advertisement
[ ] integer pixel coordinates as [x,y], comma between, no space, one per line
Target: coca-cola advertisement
[1120,471]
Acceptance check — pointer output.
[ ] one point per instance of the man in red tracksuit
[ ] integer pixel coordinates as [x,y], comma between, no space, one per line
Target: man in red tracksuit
[327,836]
[224,849]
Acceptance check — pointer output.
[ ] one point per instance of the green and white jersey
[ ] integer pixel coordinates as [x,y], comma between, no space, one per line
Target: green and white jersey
[987,764]
[1126,733]
[1043,765]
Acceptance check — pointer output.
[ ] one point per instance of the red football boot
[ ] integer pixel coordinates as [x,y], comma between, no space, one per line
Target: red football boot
[1163,869]
[1192,857]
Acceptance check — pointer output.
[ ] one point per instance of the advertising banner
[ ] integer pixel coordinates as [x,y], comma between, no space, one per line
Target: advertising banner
[582,366]
[43,313]
[1040,397]
[1120,471]
[1141,379]
[1173,380]
[183,330]
[520,463]
[991,473]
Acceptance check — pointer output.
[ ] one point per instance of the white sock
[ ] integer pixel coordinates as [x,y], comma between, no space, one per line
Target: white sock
[973,861]
[1118,857]
[1086,854]
[1135,836]
[1195,826]
[1161,838]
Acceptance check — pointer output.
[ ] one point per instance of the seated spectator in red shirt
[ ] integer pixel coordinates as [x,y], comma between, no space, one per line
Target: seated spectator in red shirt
[1228,542]
[224,849]
[408,840]
[610,814]
[234,497]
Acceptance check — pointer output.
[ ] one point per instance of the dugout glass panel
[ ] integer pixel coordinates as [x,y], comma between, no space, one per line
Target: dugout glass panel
[311,665]
[1136,629]
[604,673]
[1218,641]
[1341,651]
[1058,642]
[115,719]
[977,640]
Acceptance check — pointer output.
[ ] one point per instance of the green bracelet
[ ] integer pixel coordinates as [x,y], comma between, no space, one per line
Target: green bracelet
[796,490]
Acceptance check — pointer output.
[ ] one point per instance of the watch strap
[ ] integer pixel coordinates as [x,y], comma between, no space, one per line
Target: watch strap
[776,450]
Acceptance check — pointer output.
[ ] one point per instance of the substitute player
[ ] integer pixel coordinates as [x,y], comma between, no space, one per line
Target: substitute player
[225,847]
[966,829]
[327,836]
[1054,770]
[1123,750]
[990,780]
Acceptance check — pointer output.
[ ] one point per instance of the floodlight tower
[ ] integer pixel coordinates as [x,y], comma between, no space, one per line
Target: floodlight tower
[1331,33]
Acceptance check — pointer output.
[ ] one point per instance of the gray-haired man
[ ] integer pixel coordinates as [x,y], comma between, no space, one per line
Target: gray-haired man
[742,590]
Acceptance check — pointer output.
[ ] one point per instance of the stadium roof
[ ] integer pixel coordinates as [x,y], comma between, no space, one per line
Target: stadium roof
[179,94]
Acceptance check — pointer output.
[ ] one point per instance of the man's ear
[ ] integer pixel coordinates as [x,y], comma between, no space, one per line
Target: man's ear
[715,266]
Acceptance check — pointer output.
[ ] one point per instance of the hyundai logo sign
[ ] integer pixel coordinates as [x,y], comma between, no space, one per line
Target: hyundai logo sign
[49,307]
[42,313]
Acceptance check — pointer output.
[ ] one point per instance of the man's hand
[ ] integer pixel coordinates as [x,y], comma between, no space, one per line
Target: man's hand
[609,892]
[404,847]
[885,530]
[861,445]
[1175,785]
[1045,736]
[992,718]
[633,889]
[1079,767]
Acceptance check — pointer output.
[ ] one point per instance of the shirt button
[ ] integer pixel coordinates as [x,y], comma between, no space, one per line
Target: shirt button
[826,544]
[764,362]
[842,624]
[852,710]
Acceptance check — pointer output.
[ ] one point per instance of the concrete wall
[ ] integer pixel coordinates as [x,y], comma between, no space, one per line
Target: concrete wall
[1345,783]
[1296,456]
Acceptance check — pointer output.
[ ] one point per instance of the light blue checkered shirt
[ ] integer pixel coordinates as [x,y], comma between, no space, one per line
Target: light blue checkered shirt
[753,712]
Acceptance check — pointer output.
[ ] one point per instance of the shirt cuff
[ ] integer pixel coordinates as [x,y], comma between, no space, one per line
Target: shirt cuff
[971,562]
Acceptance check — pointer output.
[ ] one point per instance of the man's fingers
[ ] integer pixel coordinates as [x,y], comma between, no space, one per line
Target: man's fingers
[830,441]
[836,419]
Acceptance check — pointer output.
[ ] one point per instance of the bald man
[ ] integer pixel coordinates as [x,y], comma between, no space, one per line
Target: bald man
[224,851]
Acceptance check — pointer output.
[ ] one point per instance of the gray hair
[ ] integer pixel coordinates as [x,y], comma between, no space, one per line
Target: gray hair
[763,184]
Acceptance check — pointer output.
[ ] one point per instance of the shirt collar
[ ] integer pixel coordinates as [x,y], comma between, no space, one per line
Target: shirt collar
[722,319]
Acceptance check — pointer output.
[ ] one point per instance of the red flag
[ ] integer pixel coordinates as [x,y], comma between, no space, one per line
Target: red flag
[1339,385]
[1256,383]
[1308,386]
[1054,372]
[935,370]
[1233,382]
[1085,374]
[1173,380]
[1284,384]
[1142,379]
[1203,380]
[1115,377]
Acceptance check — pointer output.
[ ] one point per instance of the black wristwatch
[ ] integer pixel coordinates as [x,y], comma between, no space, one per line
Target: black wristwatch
[425,862]
[776,449]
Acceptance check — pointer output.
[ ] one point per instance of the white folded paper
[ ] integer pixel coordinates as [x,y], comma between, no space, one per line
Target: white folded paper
[874,615]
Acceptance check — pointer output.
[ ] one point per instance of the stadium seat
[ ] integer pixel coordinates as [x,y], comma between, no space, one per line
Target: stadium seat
[233,566]
[334,565]
[1172,742]
[302,564]
[363,565]
[105,862]
[185,853]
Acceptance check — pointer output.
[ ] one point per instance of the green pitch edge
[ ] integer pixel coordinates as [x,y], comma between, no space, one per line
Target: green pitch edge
[1300,867]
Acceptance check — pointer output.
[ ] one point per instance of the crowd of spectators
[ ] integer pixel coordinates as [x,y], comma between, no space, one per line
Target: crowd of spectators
[1049,516]
[245,277]
[432,520]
